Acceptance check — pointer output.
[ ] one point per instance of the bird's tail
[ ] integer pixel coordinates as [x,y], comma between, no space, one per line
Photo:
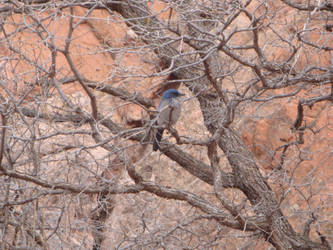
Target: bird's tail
[157,139]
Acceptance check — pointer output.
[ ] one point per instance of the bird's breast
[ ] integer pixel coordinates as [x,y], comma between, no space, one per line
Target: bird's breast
[169,115]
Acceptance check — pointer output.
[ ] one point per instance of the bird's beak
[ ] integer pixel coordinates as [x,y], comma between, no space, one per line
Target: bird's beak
[181,94]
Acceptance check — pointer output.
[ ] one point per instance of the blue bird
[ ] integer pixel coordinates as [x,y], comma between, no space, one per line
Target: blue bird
[169,112]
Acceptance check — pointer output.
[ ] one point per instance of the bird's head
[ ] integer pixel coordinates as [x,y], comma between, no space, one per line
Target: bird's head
[171,93]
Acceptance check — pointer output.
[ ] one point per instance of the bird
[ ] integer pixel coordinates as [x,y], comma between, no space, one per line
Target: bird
[169,112]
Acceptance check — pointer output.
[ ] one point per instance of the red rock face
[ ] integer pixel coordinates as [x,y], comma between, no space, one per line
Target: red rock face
[102,52]
[310,163]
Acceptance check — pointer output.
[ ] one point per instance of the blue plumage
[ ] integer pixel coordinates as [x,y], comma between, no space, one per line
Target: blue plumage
[169,112]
